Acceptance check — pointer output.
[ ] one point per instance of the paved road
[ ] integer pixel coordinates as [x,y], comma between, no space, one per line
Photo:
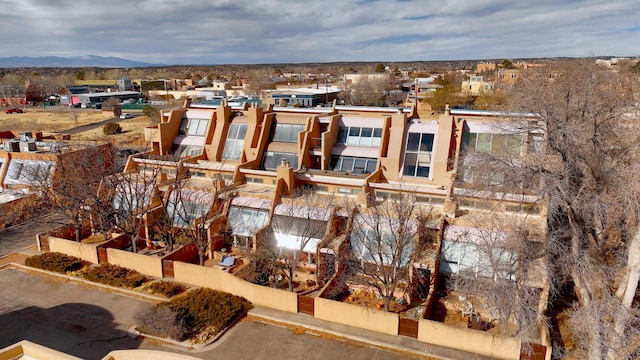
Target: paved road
[87,127]
[88,323]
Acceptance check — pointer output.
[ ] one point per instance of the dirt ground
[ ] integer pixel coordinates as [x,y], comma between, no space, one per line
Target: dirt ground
[58,119]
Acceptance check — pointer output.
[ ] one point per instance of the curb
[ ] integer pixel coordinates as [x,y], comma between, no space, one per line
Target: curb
[359,339]
[119,290]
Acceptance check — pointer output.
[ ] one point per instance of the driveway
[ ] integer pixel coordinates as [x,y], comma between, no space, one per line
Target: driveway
[86,322]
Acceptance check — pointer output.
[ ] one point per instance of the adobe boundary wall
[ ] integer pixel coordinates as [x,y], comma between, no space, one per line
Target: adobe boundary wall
[473,341]
[220,280]
[144,264]
[431,332]
[358,316]
[86,252]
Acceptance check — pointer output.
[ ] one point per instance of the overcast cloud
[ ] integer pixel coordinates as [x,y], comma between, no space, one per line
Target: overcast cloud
[285,31]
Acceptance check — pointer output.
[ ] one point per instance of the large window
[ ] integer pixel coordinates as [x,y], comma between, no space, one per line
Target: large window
[130,197]
[475,260]
[188,206]
[28,172]
[417,158]
[353,164]
[286,132]
[359,136]
[235,141]
[184,151]
[494,144]
[193,127]
[272,159]
[246,221]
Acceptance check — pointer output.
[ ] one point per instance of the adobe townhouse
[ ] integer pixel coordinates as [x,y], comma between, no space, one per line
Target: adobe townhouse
[30,161]
[360,154]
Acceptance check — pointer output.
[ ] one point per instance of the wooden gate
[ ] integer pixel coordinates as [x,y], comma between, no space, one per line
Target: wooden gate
[408,327]
[305,305]
[102,256]
[167,268]
[532,351]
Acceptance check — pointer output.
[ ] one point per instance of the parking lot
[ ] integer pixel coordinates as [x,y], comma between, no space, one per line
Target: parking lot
[87,322]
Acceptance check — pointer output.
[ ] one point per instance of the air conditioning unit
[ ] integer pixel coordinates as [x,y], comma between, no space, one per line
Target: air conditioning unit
[27,146]
[26,135]
[12,146]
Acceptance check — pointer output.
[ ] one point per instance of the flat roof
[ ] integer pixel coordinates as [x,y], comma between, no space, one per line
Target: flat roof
[113,93]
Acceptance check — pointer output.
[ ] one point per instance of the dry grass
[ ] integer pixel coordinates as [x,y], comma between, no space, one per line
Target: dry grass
[52,120]
[49,120]
[132,133]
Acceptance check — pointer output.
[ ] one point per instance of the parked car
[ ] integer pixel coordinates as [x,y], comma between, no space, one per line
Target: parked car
[126,116]
[13,111]
[126,152]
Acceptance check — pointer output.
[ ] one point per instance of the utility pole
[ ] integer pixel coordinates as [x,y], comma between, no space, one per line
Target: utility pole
[326,89]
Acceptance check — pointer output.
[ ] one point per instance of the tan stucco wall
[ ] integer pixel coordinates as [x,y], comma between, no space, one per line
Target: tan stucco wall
[145,264]
[358,316]
[139,354]
[87,252]
[28,350]
[220,280]
[441,151]
[473,341]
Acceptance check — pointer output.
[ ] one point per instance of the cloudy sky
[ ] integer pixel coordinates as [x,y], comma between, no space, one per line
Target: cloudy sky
[285,31]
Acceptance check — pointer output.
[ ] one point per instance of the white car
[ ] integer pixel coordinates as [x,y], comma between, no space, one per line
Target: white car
[126,116]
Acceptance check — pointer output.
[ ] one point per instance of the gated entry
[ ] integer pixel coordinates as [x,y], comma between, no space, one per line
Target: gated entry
[408,327]
[167,268]
[102,256]
[305,305]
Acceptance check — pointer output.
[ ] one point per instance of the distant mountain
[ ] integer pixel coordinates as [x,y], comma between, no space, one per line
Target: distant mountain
[77,61]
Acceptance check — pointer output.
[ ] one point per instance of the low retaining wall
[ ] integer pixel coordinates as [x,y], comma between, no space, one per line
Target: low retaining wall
[144,264]
[473,341]
[220,280]
[358,316]
[86,252]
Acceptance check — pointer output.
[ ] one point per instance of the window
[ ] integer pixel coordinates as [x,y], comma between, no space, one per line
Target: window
[475,260]
[272,159]
[184,211]
[494,144]
[286,132]
[246,221]
[129,197]
[353,164]
[357,136]
[235,142]
[193,127]
[186,151]
[28,172]
[417,158]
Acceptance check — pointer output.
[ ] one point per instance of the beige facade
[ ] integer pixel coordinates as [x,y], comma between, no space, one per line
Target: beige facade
[476,85]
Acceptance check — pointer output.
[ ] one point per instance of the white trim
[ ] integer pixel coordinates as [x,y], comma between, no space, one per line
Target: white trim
[249,202]
[355,151]
[357,121]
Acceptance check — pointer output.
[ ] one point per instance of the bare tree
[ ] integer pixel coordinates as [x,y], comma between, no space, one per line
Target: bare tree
[588,172]
[497,262]
[258,80]
[298,227]
[69,184]
[386,240]
[129,196]
[196,210]
[366,91]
